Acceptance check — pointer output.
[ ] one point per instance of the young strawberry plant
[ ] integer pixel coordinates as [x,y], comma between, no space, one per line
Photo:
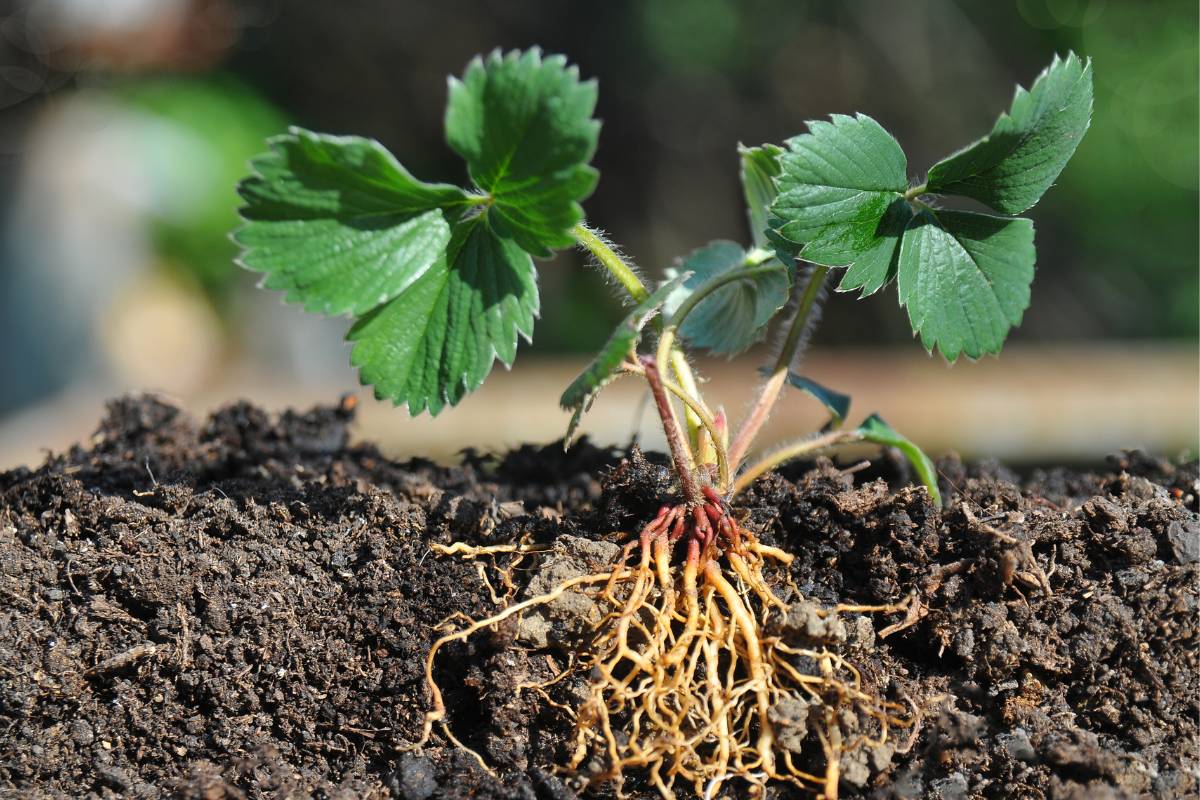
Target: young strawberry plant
[687,674]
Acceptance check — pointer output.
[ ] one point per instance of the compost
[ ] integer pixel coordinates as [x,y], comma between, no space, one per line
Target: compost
[241,608]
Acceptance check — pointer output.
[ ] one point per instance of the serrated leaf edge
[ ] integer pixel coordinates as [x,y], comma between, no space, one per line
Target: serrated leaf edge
[1084,73]
[274,145]
[493,356]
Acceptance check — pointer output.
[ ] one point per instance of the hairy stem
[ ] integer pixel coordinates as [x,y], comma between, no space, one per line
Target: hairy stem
[687,380]
[758,415]
[796,333]
[679,449]
[612,262]
[916,191]
[789,452]
[705,451]
[706,419]
[715,443]
[634,287]
[771,388]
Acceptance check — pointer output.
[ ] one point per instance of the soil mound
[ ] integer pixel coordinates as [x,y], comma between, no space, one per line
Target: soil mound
[241,607]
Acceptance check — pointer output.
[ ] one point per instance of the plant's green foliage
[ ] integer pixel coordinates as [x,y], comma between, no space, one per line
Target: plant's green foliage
[837,187]
[337,224]
[436,342]
[1013,166]
[524,125]
[735,315]
[441,281]
[965,279]
[759,169]
[874,429]
[836,403]
[603,368]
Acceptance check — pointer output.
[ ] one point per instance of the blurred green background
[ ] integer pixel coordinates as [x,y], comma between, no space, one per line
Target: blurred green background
[124,126]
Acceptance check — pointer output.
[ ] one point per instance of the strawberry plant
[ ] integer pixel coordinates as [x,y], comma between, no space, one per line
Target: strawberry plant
[441,281]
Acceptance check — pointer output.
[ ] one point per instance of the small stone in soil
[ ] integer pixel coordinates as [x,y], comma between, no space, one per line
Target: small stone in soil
[414,778]
[1185,541]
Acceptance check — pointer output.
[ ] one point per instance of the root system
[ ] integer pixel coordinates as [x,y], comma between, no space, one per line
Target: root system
[695,675]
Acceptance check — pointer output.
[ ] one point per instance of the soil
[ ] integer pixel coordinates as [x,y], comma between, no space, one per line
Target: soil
[241,608]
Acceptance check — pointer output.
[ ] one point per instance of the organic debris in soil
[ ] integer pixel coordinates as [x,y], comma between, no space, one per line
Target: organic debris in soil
[241,608]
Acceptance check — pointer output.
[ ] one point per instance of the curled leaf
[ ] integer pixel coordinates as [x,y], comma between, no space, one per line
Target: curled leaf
[836,403]
[735,315]
[874,429]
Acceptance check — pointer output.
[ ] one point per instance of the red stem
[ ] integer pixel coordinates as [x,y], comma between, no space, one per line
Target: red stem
[691,491]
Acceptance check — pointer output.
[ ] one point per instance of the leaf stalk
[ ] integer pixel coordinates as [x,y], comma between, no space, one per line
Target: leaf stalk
[624,275]
[769,393]
[720,281]
[706,419]
[612,262]
[789,452]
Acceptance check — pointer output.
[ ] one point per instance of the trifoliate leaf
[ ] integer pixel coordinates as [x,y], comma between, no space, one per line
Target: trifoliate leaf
[735,315]
[836,403]
[1013,166]
[338,225]
[760,168]
[437,340]
[604,367]
[837,185]
[524,125]
[965,279]
[874,429]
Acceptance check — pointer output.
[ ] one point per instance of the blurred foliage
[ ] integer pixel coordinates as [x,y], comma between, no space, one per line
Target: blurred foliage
[1132,202]
[213,127]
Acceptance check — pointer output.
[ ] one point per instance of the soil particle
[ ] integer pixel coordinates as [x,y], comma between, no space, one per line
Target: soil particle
[858,765]
[1185,541]
[564,619]
[806,623]
[953,787]
[241,607]
[790,718]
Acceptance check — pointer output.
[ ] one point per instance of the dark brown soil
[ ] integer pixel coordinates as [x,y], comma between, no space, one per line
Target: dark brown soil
[240,608]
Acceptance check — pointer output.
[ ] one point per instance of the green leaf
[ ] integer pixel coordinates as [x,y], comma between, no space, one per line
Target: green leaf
[760,168]
[965,279]
[337,224]
[874,429]
[877,263]
[437,340]
[838,189]
[735,315]
[785,252]
[524,125]
[836,403]
[1013,166]
[604,367]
